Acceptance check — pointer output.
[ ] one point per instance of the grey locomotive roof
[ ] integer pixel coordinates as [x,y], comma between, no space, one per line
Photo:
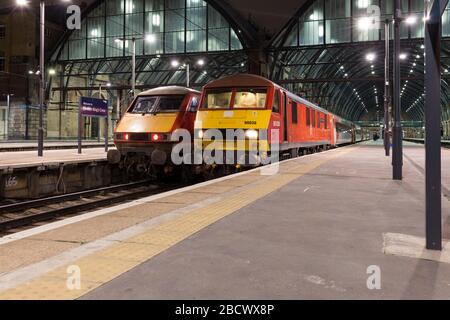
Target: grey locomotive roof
[168,90]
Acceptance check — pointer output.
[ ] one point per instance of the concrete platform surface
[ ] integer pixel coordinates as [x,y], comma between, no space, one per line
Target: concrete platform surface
[22,159]
[314,230]
[6,145]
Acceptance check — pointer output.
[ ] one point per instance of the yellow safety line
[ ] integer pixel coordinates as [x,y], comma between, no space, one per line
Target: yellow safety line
[105,265]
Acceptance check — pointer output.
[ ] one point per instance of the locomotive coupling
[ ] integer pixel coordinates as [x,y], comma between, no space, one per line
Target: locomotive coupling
[158,157]
[114,156]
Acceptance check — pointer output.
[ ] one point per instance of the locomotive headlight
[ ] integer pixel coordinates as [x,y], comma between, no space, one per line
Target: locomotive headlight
[200,134]
[251,134]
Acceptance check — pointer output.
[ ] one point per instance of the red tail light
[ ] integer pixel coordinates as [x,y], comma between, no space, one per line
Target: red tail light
[156,137]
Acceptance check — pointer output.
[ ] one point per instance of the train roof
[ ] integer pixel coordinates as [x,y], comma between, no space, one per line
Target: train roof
[238,80]
[168,91]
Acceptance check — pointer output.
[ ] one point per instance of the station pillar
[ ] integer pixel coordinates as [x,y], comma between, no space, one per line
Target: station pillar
[257,62]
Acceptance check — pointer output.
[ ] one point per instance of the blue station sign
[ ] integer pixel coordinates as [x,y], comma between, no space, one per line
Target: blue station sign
[92,107]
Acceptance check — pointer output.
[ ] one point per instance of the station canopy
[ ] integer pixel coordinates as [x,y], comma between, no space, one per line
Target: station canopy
[333,53]
[321,54]
[168,36]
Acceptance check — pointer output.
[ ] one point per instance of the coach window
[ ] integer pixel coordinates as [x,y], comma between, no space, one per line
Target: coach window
[294,113]
[326,121]
[313,120]
[318,119]
[276,102]
[308,117]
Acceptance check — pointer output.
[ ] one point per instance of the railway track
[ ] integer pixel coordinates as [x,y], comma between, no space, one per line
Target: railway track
[16,216]
[25,214]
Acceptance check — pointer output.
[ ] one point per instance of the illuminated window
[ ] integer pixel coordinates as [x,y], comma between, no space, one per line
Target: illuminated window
[176,26]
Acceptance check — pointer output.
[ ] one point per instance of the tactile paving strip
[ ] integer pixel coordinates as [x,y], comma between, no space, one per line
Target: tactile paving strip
[107,264]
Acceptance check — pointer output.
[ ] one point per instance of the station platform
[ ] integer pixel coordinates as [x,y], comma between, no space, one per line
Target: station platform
[29,159]
[13,146]
[309,228]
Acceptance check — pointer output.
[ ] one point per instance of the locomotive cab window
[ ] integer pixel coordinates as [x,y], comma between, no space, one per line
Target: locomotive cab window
[194,105]
[276,102]
[170,104]
[163,104]
[250,99]
[143,105]
[218,100]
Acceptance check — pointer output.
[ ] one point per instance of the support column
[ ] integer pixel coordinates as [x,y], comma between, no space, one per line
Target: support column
[387,98]
[433,127]
[397,143]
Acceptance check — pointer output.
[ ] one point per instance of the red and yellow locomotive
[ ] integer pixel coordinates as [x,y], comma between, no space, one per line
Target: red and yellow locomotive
[143,136]
[254,104]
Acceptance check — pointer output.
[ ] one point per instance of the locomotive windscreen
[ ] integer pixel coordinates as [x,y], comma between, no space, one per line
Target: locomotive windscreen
[241,99]
[159,104]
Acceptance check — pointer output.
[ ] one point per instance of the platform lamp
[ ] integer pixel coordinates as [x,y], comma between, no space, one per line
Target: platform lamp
[150,38]
[24,3]
[365,23]
[176,64]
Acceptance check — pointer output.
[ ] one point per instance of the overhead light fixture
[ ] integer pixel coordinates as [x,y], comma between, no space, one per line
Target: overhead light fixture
[175,63]
[52,72]
[21,3]
[150,38]
[370,56]
[201,62]
[411,20]
[403,56]
[364,23]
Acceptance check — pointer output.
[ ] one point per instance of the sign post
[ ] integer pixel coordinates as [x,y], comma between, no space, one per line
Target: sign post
[91,107]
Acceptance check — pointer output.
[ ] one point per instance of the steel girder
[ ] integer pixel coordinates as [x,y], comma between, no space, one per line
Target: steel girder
[305,70]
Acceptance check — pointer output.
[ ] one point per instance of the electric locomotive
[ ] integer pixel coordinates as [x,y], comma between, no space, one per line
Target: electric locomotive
[143,136]
[267,115]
